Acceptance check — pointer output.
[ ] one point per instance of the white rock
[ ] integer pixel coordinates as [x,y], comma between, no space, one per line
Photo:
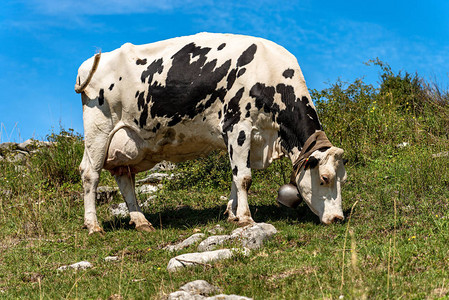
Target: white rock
[227,297]
[186,243]
[181,295]
[82,265]
[253,236]
[119,210]
[212,242]
[111,258]
[191,259]
[199,287]
[217,229]
[155,178]
[147,189]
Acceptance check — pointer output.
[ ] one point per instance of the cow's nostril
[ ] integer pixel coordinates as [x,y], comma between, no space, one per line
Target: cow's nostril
[337,218]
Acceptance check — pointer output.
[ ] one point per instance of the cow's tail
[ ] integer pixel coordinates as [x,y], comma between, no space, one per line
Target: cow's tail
[79,87]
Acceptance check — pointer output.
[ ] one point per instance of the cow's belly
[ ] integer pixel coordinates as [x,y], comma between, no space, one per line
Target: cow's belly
[136,152]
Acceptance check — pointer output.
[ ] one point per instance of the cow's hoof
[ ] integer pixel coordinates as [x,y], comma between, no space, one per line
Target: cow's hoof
[96,230]
[245,222]
[145,228]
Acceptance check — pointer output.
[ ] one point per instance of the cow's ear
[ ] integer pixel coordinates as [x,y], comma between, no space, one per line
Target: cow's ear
[311,162]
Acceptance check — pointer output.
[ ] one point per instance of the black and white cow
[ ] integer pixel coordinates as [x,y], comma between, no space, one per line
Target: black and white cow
[184,97]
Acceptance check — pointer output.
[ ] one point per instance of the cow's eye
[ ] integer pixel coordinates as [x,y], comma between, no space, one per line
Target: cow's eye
[345,161]
[311,162]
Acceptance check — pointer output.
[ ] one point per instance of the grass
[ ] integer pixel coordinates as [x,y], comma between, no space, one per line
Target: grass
[394,242]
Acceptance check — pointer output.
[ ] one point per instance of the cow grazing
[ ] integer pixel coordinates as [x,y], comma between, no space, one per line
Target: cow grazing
[184,97]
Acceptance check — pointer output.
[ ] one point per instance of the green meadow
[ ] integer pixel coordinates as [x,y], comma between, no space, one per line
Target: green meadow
[393,243]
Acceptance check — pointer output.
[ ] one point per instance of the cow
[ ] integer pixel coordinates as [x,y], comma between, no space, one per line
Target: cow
[184,97]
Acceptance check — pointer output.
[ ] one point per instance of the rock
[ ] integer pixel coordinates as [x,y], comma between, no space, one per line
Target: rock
[198,290]
[212,242]
[186,243]
[164,166]
[29,145]
[217,229]
[197,258]
[403,145]
[253,236]
[147,189]
[8,146]
[82,265]
[227,297]
[441,154]
[105,194]
[119,210]
[111,258]
[199,287]
[16,157]
[155,178]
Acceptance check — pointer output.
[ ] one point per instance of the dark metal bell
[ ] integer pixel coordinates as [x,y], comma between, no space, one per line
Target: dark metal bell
[288,196]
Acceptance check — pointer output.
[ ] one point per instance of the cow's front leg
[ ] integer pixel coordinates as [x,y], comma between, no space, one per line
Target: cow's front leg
[126,183]
[239,154]
[90,178]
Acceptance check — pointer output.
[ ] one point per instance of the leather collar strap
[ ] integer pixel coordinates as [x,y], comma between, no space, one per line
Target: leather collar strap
[316,141]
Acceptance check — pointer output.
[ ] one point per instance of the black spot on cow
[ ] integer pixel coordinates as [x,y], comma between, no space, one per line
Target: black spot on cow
[141,61]
[141,101]
[137,94]
[120,79]
[241,139]
[232,114]
[143,117]
[231,78]
[248,106]
[189,81]
[235,171]
[101,97]
[204,119]
[111,87]
[154,129]
[264,96]
[248,160]
[221,46]
[288,73]
[219,114]
[241,72]
[231,151]
[248,114]
[295,125]
[153,68]
[247,56]
[158,125]
[137,122]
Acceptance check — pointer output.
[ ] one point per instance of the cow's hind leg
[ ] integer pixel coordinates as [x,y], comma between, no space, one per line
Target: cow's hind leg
[126,183]
[239,142]
[90,178]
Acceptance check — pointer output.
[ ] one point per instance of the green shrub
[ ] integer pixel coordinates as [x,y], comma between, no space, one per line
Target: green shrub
[58,163]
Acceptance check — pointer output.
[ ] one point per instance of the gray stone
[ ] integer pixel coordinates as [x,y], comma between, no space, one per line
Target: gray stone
[199,287]
[181,295]
[253,236]
[28,145]
[155,178]
[105,194]
[111,258]
[227,297]
[16,157]
[8,146]
[186,243]
[164,166]
[201,258]
[119,210]
[441,154]
[216,229]
[146,189]
[82,265]
[212,242]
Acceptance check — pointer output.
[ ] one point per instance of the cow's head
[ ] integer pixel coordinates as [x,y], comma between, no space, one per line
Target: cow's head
[319,183]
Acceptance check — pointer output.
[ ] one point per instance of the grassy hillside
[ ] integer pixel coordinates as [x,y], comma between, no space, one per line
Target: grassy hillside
[394,242]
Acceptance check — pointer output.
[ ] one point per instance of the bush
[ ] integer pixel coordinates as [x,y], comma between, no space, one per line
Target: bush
[58,163]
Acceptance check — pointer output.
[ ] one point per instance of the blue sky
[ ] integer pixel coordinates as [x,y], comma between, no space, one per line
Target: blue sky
[43,42]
